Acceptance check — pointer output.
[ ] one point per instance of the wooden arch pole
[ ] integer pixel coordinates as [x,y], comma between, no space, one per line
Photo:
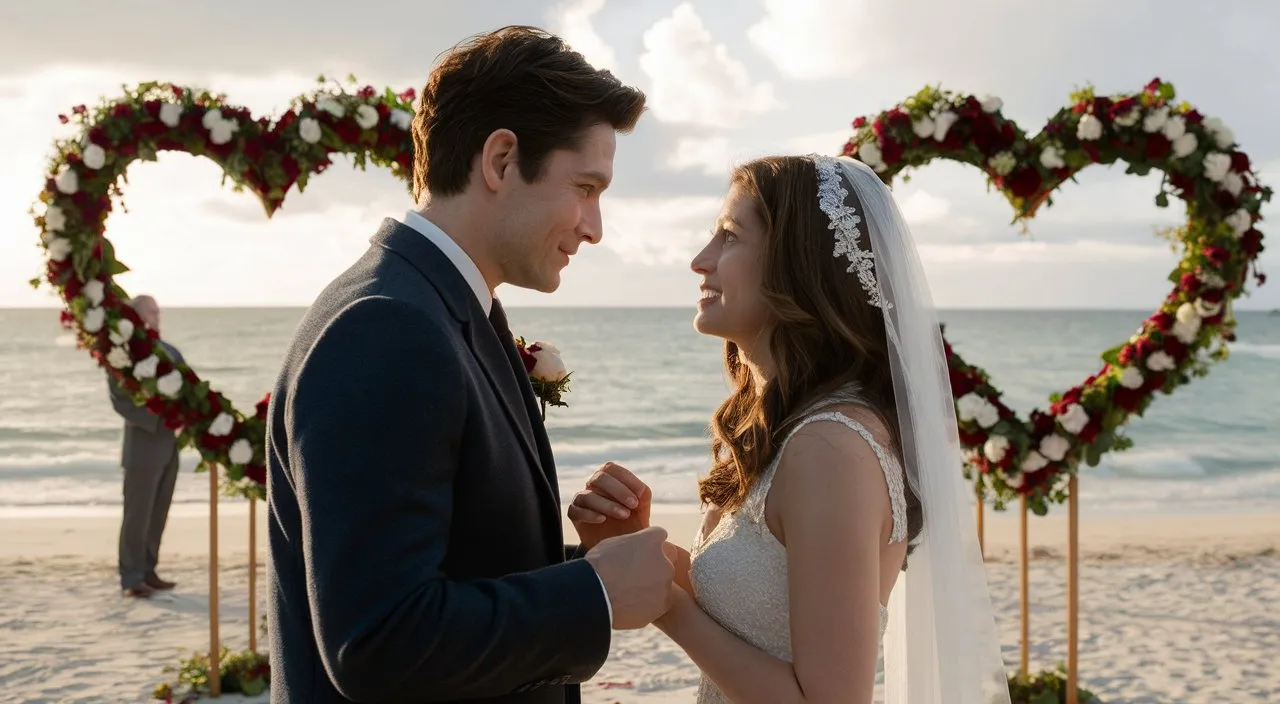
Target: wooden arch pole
[215,667]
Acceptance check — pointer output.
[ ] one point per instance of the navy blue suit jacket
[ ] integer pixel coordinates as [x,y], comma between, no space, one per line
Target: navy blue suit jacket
[416,548]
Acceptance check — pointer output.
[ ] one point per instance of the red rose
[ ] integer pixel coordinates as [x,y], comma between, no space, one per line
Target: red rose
[155,404]
[122,110]
[1024,182]
[98,136]
[961,383]
[1175,348]
[215,403]
[1041,423]
[890,151]
[260,410]
[1183,183]
[172,422]
[1239,162]
[1212,295]
[859,122]
[1251,243]
[1193,117]
[1189,283]
[1155,381]
[972,439]
[1217,255]
[1129,399]
[897,117]
[529,360]
[257,473]
[1158,146]
[1091,149]
[1153,86]
[1122,107]
[163,368]
[1162,321]
[1101,106]
[1090,431]
[141,347]
[408,95]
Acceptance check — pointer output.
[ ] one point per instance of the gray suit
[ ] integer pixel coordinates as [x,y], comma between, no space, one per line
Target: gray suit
[150,461]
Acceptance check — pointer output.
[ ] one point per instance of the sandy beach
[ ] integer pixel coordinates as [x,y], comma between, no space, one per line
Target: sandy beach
[1173,609]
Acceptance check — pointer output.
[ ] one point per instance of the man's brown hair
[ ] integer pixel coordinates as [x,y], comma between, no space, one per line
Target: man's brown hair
[518,78]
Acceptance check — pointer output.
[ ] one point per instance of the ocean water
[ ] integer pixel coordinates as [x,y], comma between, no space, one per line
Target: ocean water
[644,385]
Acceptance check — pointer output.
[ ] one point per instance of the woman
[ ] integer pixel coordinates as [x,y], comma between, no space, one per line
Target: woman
[835,456]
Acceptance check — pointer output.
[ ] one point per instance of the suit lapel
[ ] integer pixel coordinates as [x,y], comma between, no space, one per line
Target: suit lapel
[514,393]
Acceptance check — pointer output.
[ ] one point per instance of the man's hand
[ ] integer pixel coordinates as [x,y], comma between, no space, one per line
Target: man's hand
[636,575]
[615,502]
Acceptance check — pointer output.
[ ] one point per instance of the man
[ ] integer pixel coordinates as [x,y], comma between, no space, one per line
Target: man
[414,511]
[150,461]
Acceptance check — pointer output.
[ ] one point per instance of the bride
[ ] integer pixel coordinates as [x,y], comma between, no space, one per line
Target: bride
[838,527]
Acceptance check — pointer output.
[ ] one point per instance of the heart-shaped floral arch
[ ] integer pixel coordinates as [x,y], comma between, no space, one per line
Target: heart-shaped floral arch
[1202,165]
[266,157]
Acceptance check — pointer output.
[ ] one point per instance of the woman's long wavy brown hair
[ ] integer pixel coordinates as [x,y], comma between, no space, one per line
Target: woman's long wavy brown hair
[824,334]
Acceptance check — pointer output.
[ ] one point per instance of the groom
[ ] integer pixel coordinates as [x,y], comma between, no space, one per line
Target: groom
[416,545]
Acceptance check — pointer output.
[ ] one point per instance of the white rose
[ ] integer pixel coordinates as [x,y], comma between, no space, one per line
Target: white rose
[1216,166]
[170,384]
[1051,158]
[54,219]
[222,425]
[171,114]
[222,132]
[118,358]
[401,118]
[1185,145]
[969,405]
[996,447]
[59,248]
[1208,309]
[923,127]
[1015,481]
[1034,462]
[124,331]
[549,367]
[1129,119]
[1240,221]
[1186,313]
[1160,361]
[241,452]
[1131,378]
[1186,332]
[1003,163]
[1055,447]
[991,103]
[942,124]
[1089,129]
[870,153]
[1211,280]
[309,130]
[1075,419]
[366,117]
[1154,121]
[1222,135]
[988,416]
[93,292]
[66,180]
[1233,183]
[93,319]
[331,106]
[146,368]
[94,157]
[211,119]
[1175,128]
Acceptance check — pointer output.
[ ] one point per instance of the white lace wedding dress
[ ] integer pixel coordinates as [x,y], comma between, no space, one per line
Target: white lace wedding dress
[739,569]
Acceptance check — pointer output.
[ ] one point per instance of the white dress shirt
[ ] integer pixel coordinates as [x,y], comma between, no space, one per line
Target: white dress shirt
[465,266]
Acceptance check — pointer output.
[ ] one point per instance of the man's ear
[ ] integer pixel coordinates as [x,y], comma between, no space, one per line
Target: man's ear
[500,153]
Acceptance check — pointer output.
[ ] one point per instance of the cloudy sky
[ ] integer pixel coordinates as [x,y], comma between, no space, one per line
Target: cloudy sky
[725,81]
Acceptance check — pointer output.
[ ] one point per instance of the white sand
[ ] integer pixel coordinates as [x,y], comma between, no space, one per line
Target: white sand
[1172,609]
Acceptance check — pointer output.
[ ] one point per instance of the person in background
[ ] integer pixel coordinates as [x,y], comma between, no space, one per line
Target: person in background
[150,461]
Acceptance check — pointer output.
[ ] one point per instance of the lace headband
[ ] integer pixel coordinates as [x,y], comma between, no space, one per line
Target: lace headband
[845,220]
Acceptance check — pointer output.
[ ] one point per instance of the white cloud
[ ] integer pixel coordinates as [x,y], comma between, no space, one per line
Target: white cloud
[1080,251]
[572,21]
[658,231]
[813,39]
[923,207]
[693,79]
[713,155]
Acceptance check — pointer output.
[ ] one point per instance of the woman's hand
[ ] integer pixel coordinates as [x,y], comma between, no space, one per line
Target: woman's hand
[614,502]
